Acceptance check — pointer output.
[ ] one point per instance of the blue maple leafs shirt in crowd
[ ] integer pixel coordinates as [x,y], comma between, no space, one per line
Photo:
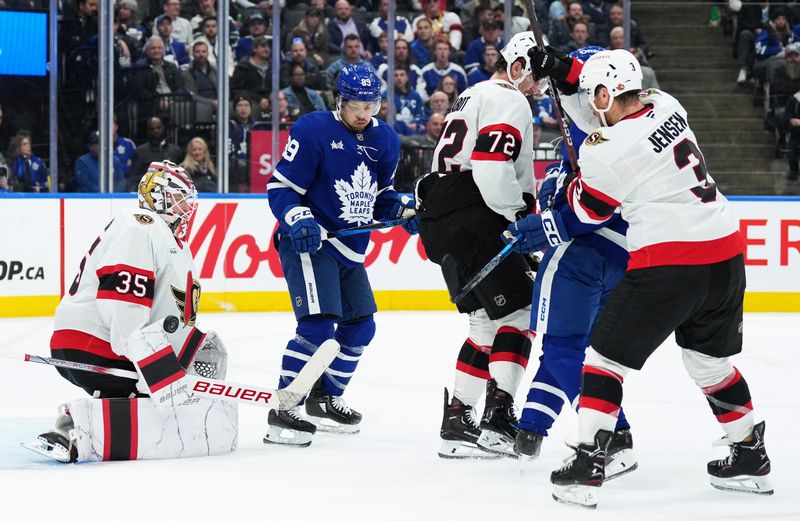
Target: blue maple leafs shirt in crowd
[344,177]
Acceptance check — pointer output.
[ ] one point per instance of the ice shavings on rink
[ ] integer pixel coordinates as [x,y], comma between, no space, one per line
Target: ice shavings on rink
[390,470]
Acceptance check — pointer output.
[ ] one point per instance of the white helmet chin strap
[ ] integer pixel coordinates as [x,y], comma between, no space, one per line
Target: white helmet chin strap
[602,112]
[516,82]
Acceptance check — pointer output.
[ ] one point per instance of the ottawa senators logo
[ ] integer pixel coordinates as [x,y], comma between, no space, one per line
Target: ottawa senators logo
[595,138]
[194,302]
[648,92]
[143,219]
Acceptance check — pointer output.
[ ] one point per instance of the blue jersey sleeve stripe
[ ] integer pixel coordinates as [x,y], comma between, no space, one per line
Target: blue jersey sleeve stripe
[284,180]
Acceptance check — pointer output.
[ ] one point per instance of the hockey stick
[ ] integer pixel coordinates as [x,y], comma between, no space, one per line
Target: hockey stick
[450,270]
[407,216]
[287,397]
[538,35]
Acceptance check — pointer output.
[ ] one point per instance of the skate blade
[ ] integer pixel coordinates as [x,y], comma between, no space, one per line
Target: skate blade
[576,495]
[496,443]
[749,484]
[621,463]
[279,436]
[450,449]
[332,426]
[48,450]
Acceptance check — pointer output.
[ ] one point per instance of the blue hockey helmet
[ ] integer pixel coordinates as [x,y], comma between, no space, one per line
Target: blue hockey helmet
[584,53]
[359,83]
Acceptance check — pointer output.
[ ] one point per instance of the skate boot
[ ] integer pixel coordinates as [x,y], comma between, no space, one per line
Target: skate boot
[289,428]
[747,467]
[528,444]
[620,458]
[59,443]
[498,424]
[331,413]
[577,482]
[460,432]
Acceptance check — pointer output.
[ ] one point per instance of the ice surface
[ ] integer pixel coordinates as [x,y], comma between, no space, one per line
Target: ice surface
[390,470]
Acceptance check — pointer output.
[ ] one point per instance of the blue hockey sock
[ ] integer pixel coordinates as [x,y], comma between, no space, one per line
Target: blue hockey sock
[622,422]
[311,332]
[353,336]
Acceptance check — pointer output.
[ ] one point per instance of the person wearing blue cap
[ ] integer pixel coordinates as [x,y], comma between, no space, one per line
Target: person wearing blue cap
[87,169]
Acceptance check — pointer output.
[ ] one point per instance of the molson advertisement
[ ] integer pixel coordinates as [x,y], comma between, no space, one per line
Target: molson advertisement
[237,264]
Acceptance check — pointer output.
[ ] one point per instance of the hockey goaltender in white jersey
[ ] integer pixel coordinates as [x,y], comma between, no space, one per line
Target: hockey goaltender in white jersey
[138,271]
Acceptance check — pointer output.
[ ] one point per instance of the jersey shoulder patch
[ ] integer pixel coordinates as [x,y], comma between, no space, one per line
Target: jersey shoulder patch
[143,218]
[595,138]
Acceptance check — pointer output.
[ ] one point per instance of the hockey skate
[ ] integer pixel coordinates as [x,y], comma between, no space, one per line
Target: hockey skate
[57,444]
[460,432]
[620,458]
[498,424]
[528,444]
[747,467]
[578,481]
[331,413]
[289,428]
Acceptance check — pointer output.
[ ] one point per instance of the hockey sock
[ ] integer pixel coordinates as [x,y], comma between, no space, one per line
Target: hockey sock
[472,371]
[311,331]
[509,358]
[353,336]
[622,421]
[557,381]
[731,404]
[599,404]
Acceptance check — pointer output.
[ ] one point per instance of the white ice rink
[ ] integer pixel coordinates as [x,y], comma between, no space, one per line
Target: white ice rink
[390,470]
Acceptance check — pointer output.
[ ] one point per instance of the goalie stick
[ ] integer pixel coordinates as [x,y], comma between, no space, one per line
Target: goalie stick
[450,270]
[246,394]
[564,123]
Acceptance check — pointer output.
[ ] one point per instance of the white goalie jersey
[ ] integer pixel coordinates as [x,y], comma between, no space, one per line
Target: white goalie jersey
[135,273]
[649,165]
[489,131]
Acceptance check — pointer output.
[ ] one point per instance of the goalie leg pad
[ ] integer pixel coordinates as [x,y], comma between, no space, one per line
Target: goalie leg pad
[130,429]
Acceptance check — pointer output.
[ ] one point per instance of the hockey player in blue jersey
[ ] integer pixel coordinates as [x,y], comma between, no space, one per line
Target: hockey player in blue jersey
[582,265]
[336,172]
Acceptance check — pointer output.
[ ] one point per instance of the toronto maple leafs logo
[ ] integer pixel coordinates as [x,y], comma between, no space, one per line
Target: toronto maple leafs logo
[358,198]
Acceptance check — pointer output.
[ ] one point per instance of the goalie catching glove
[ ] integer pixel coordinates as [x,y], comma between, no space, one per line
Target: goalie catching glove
[538,231]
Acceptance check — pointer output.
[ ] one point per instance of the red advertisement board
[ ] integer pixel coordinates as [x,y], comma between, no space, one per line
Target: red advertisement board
[261,163]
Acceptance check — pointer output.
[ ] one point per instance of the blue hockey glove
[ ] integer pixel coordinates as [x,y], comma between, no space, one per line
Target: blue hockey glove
[539,231]
[304,231]
[400,208]
[547,191]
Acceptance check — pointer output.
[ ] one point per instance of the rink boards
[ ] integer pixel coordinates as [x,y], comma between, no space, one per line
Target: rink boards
[45,238]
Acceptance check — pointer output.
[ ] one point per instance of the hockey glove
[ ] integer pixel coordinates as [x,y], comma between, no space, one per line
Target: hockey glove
[547,191]
[402,208]
[549,63]
[304,231]
[539,231]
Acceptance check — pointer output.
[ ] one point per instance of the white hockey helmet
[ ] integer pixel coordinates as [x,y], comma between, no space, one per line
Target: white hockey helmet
[618,71]
[168,190]
[516,48]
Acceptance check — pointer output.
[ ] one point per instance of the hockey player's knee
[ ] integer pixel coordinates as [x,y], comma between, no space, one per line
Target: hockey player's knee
[481,328]
[315,329]
[519,319]
[706,370]
[356,333]
[595,359]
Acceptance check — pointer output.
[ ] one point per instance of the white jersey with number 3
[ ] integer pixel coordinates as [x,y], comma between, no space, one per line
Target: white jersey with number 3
[134,273]
[489,130]
[649,165]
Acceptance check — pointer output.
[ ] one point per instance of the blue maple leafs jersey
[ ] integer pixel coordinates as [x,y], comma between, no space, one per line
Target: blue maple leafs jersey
[344,177]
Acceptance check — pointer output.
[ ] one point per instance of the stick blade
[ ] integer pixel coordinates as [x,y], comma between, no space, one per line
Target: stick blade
[450,272]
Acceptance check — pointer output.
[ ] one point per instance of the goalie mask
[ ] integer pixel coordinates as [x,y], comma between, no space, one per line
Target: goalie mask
[168,190]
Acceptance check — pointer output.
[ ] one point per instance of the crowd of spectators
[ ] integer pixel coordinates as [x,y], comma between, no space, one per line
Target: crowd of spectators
[166,55]
[766,46]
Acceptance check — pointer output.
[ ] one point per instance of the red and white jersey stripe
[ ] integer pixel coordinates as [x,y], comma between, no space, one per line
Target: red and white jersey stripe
[134,274]
[650,167]
[489,131]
